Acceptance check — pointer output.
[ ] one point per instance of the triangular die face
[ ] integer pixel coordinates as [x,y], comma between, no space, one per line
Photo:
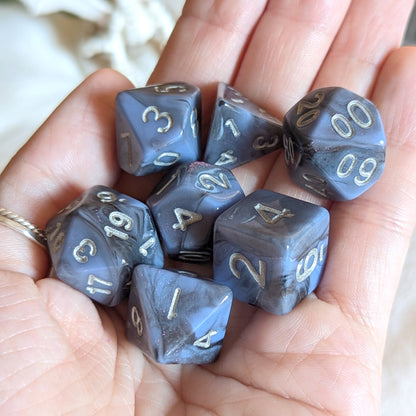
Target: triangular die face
[204,340]
[74,243]
[240,130]
[64,235]
[236,99]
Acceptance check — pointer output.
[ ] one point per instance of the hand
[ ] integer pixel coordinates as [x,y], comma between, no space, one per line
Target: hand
[61,353]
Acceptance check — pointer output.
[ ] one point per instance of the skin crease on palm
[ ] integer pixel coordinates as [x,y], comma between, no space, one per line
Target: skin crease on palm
[62,354]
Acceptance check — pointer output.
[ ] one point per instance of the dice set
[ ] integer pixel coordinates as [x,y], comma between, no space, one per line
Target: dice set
[267,249]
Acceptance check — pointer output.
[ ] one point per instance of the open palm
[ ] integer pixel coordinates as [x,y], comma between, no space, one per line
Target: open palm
[62,354]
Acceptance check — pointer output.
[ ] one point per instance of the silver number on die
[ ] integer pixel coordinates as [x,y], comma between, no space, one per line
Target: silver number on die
[221,181]
[316,184]
[166,89]
[272,215]
[308,264]
[205,340]
[136,321]
[289,151]
[185,218]
[106,196]
[366,169]
[313,112]
[158,116]
[262,143]
[57,238]
[233,127]
[119,220]
[172,309]
[343,126]
[167,159]
[143,249]
[80,250]
[92,289]
[226,158]
[259,276]
[194,122]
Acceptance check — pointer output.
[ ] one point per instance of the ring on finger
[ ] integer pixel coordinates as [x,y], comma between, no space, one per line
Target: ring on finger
[19,224]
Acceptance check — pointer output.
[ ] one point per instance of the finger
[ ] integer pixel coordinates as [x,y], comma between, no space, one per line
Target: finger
[370,235]
[73,150]
[287,49]
[205,47]
[352,61]
[370,31]
[29,358]
[207,44]
[359,48]
[276,59]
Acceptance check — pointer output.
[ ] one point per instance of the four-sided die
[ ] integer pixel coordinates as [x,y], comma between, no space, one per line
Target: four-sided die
[240,130]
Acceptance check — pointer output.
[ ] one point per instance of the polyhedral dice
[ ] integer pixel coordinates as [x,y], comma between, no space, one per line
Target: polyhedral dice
[240,130]
[96,241]
[270,249]
[175,318]
[334,143]
[157,127]
[185,205]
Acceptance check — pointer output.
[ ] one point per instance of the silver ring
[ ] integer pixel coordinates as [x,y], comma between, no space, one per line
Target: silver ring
[17,223]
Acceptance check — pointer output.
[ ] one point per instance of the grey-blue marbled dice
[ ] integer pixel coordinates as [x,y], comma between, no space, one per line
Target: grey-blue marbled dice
[96,241]
[334,143]
[185,205]
[176,318]
[270,249]
[157,127]
[240,130]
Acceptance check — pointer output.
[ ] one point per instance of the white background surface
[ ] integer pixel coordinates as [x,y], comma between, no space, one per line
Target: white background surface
[42,58]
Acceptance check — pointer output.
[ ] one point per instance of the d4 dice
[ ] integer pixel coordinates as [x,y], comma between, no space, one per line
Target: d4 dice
[96,241]
[240,130]
[157,127]
[185,205]
[175,318]
[270,249]
[334,143]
